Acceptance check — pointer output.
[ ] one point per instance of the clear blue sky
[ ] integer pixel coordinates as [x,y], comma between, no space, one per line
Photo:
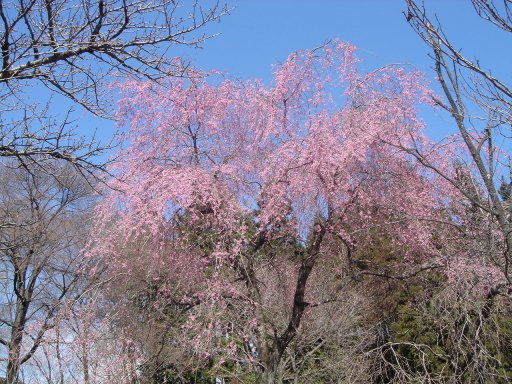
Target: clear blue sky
[259,33]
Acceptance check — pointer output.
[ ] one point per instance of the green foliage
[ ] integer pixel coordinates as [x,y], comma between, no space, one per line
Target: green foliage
[450,337]
[435,330]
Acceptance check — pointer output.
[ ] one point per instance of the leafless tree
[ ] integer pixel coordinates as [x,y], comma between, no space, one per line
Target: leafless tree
[43,224]
[480,106]
[36,140]
[72,48]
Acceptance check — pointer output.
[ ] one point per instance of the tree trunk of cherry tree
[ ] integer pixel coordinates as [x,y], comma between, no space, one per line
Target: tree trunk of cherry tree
[272,372]
[271,377]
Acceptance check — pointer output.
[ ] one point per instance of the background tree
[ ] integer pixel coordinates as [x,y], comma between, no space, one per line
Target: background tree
[479,104]
[43,218]
[73,49]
